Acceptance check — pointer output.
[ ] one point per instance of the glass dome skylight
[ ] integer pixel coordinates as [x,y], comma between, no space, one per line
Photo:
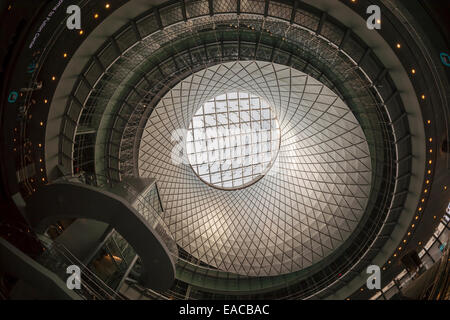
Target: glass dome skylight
[311,197]
[232,140]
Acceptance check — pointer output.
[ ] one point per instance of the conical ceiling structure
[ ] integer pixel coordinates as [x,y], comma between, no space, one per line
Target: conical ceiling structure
[305,207]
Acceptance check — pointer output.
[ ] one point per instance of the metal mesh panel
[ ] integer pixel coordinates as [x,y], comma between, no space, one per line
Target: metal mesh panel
[93,73]
[223,6]
[307,19]
[371,66]
[107,55]
[171,14]
[280,10]
[386,88]
[82,91]
[332,32]
[197,8]
[126,38]
[74,110]
[147,25]
[253,6]
[83,158]
[353,48]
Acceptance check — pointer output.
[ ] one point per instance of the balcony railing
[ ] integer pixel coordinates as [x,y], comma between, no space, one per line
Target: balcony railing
[144,199]
[57,258]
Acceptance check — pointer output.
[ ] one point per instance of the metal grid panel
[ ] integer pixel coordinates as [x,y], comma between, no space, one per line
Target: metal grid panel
[307,19]
[74,111]
[332,32]
[147,25]
[354,48]
[371,66]
[223,6]
[93,73]
[280,10]
[253,6]
[171,14]
[107,55]
[197,8]
[126,38]
[81,92]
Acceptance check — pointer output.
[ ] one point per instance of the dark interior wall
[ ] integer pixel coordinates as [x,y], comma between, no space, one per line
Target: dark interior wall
[15,16]
[439,11]
[36,281]
[13,21]
[434,18]
[83,236]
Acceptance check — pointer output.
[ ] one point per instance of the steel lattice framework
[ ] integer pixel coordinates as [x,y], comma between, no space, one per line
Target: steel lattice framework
[127,77]
[308,204]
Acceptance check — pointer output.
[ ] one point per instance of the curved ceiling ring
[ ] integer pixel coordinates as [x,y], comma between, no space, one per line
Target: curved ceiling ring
[128,103]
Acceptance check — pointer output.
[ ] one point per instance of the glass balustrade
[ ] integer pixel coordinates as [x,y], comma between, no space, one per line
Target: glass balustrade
[56,257]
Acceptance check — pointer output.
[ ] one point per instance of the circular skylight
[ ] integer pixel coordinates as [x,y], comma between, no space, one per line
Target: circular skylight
[232,140]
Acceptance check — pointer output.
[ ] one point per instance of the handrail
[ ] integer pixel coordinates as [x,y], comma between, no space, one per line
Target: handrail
[440,283]
[91,283]
[145,291]
[139,202]
[164,229]
[90,275]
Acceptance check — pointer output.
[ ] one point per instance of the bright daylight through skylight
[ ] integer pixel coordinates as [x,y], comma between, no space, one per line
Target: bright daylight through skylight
[233,140]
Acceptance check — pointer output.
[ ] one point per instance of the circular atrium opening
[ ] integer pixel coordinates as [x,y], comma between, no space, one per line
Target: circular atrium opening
[311,165]
[233,140]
